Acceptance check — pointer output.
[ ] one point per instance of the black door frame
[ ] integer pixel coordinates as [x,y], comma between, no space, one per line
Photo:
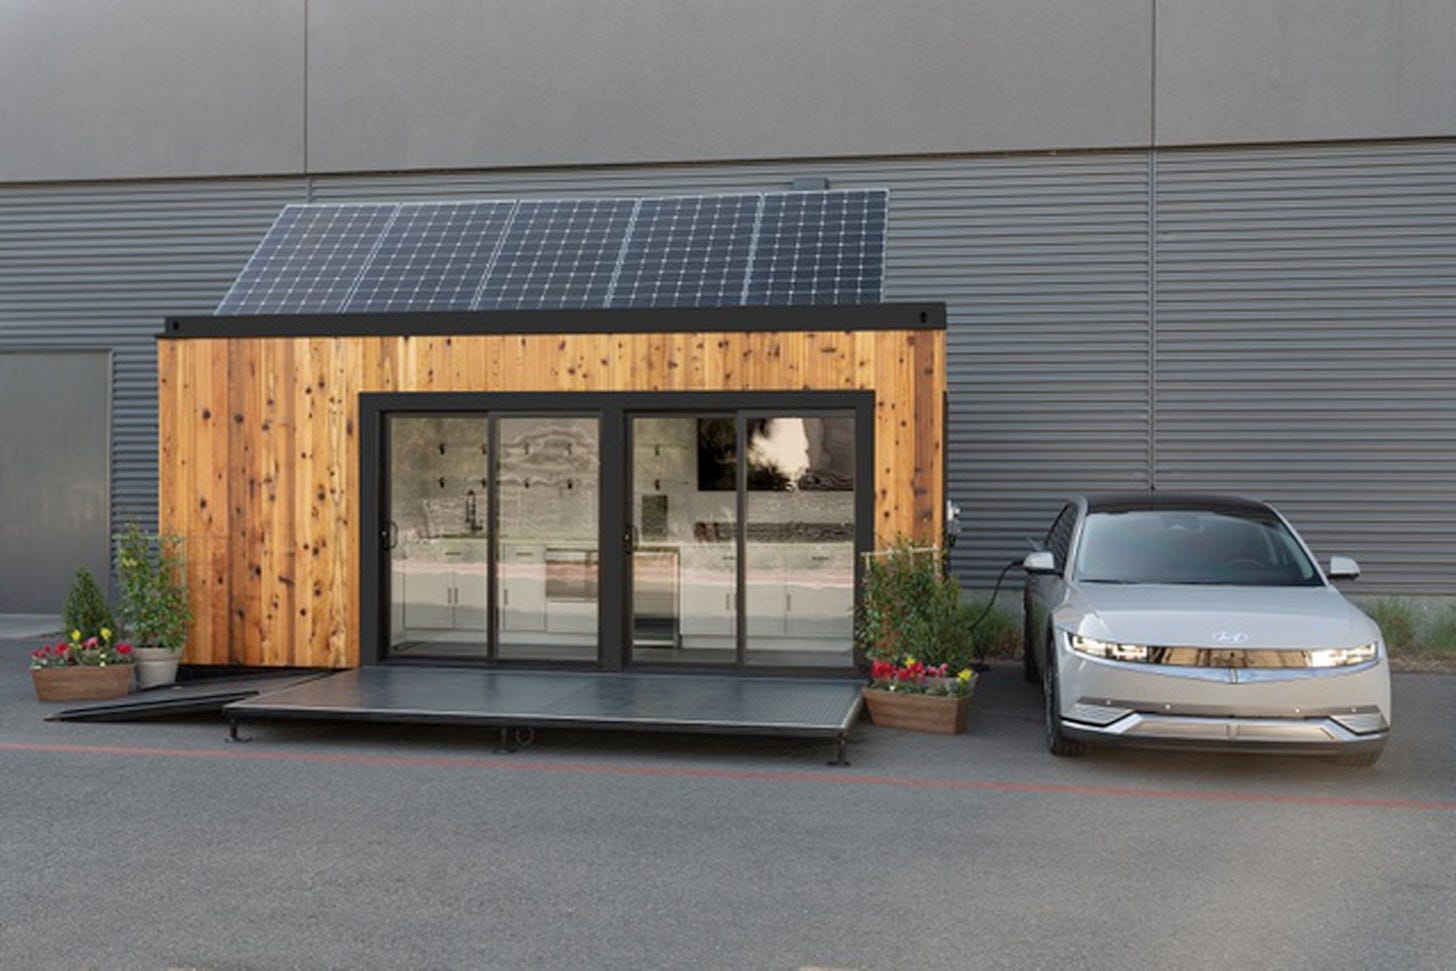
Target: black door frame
[613,410]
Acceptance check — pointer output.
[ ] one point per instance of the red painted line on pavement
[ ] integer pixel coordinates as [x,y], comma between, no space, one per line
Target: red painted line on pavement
[828,777]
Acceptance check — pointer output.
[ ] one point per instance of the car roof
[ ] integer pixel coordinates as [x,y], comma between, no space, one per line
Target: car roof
[1184,501]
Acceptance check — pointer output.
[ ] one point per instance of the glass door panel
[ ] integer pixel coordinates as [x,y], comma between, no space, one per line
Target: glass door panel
[439,541]
[548,476]
[683,564]
[800,507]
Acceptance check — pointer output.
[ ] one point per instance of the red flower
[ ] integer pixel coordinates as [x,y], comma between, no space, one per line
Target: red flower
[882,670]
[123,648]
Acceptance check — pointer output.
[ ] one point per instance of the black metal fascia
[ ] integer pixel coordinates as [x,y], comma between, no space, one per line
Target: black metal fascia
[839,317]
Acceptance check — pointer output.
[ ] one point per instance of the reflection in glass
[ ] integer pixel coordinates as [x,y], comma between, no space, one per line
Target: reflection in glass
[800,541]
[547,577]
[438,532]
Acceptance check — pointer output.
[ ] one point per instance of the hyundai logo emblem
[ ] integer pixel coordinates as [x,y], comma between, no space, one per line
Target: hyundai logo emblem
[1229,637]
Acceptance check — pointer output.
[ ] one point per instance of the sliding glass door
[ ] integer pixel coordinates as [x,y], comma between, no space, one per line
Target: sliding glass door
[438,534]
[785,576]
[548,479]
[684,540]
[481,504]
[622,532]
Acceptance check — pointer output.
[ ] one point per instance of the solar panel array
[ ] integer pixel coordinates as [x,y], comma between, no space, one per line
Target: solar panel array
[694,251]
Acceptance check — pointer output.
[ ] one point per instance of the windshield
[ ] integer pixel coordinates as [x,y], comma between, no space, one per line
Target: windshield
[1198,546]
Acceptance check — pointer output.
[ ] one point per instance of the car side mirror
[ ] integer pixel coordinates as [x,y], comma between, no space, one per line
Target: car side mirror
[1042,563]
[1342,568]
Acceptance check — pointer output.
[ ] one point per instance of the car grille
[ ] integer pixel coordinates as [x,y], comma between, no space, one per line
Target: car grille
[1220,657]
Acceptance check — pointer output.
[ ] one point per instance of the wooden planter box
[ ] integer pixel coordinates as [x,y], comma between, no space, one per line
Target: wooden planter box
[920,713]
[82,682]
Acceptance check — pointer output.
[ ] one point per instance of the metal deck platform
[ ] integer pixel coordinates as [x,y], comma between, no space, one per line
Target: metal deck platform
[720,704]
[200,697]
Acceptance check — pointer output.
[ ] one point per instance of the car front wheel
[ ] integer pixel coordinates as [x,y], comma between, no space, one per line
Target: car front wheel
[1057,743]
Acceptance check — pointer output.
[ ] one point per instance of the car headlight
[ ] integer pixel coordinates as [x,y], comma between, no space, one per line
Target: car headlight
[1108,649]
[1339,657]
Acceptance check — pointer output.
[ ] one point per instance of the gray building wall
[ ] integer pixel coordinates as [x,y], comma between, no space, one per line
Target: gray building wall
[188,88]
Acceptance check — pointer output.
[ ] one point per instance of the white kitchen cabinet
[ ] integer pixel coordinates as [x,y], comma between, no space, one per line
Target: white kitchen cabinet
[709,581]
[443,585]
[819,591]
[522,587]
[429,596]
[767,603]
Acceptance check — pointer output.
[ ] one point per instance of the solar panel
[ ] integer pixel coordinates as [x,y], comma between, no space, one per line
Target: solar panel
[688,252]
[433,257]
[813,247]
[557,253]
[819,248]
[310,259]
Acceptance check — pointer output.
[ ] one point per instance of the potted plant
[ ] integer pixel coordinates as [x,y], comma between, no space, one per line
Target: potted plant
[82,668]
[151,570]
[913,695]
[917,633]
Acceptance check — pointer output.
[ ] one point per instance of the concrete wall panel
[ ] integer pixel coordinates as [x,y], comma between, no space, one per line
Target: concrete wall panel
[1243,71]
[466,83]
[100,89]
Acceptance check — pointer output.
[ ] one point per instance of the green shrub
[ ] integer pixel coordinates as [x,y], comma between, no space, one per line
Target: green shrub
[909,605]
[86,608]
[998,635]
[1398,622]
[153,575]
[1439,636]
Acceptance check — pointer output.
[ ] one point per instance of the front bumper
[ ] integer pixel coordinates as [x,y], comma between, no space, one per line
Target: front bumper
[1333,710]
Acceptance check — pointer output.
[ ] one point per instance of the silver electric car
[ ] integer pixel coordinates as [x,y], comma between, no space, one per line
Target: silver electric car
[1203,621]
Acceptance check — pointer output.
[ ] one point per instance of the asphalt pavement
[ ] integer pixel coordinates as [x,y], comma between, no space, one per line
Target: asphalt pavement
[157,845]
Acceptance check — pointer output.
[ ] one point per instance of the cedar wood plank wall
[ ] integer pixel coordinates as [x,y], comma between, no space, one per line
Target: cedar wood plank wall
[260,456]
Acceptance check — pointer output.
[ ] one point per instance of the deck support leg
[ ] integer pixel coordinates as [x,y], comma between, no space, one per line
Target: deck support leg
[233,735]
[842,740]
[504,747]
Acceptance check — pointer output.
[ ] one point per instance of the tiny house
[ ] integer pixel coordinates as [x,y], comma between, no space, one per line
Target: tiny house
[606,488]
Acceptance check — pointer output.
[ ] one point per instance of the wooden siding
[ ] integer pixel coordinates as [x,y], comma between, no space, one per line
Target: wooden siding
[260,451]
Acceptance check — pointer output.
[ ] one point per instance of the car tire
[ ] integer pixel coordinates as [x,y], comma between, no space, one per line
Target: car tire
[1029,672]
[1359,759]
[1056,742]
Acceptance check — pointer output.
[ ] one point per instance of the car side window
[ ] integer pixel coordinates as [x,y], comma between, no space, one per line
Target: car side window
[1059,537]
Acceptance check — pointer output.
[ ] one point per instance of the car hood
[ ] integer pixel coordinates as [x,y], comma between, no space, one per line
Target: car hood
[1177,615]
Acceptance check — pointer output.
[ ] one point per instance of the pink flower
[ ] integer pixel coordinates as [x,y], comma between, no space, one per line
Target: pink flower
[92,642]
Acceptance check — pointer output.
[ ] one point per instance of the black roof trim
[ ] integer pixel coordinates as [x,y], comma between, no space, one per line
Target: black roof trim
[876,316]
[1183,501]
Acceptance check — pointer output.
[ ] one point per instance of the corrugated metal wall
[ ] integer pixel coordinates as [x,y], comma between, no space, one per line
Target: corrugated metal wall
[1284,318]
[98,266]
[1306,344]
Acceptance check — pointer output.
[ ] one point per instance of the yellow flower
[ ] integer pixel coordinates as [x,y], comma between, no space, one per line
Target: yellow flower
[964,676]
[106,633]
[909,660]
[75,635]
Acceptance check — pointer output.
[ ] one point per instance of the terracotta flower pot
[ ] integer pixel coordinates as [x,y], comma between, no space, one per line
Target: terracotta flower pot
[82,682]
[921,713]
[155,666]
